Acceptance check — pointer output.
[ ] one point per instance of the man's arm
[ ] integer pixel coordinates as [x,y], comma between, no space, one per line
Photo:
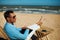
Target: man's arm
[17,34]
[19,29]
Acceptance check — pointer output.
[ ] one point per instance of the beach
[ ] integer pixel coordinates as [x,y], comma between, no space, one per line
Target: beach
[51,21]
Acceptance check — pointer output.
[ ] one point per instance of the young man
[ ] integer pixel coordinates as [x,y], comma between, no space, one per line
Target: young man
[10,29]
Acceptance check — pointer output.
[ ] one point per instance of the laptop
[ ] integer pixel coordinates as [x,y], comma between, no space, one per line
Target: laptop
[33,27]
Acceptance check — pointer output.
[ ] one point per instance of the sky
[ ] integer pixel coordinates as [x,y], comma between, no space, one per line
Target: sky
[30,2]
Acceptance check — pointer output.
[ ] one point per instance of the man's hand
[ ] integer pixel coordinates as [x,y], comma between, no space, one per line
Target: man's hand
[24,27]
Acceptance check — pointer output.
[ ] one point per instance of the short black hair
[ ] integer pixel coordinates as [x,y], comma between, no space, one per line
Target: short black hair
[7,13]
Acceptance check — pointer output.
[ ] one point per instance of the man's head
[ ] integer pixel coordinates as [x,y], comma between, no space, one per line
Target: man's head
[10,16]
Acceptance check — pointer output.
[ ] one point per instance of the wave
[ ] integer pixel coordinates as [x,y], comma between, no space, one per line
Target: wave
[32,10]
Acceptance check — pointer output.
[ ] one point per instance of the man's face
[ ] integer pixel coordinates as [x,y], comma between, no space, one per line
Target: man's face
[12,18]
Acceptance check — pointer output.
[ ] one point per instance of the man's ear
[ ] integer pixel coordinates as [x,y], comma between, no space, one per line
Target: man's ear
[7,19]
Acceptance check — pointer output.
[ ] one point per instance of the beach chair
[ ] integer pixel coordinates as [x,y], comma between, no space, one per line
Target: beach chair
[3,34]
[43,31]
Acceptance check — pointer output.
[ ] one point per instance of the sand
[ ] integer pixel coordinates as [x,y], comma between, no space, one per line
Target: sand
[51,21]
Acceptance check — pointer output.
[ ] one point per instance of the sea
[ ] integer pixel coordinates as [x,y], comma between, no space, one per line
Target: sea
[31,9]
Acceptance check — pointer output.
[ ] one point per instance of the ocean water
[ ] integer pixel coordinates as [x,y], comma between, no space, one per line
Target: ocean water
[32,9]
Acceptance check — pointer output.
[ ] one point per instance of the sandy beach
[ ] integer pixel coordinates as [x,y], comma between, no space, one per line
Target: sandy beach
[51,21]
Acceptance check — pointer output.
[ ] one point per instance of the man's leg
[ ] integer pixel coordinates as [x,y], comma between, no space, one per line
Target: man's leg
[33,37]
[22,31]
